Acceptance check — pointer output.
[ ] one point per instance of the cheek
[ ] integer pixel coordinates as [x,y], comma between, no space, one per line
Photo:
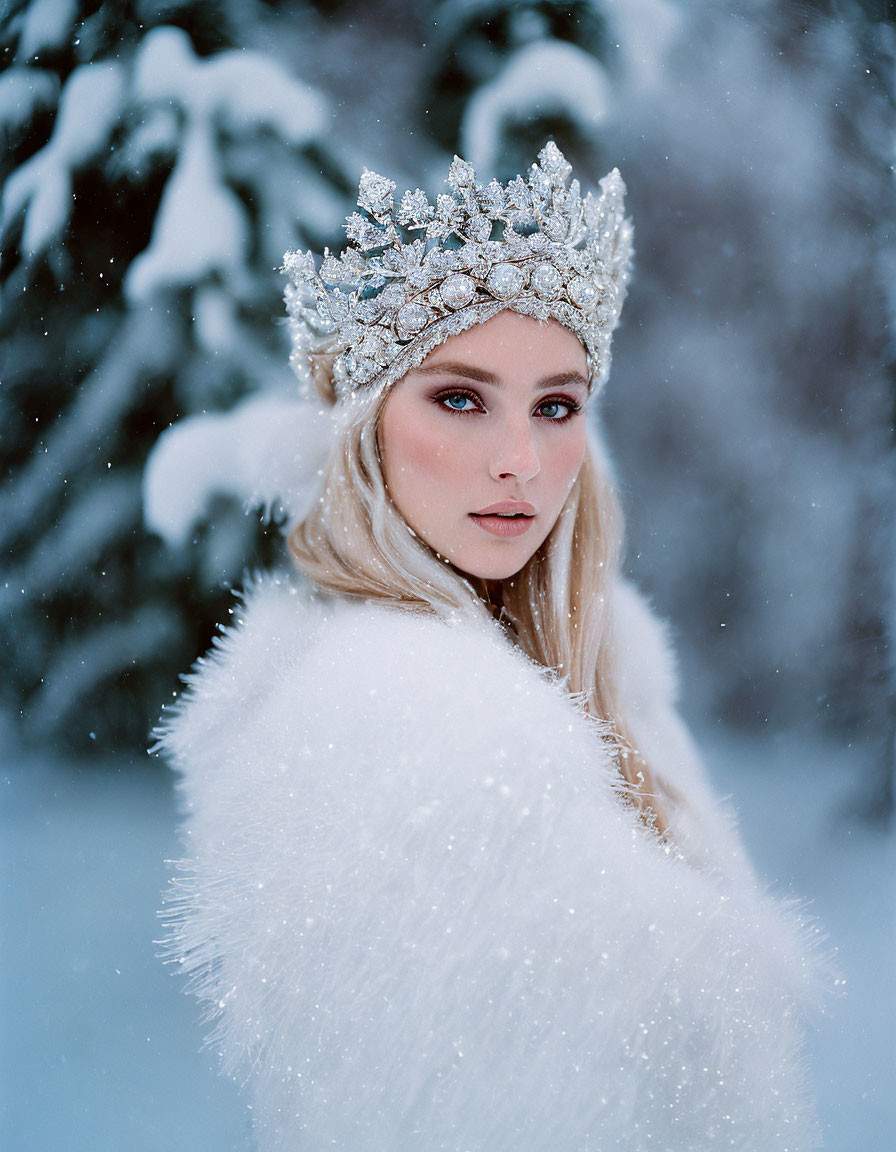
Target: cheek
[565,457]
[421,451]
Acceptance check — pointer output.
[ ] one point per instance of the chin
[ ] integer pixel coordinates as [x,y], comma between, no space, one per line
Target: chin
[492,567]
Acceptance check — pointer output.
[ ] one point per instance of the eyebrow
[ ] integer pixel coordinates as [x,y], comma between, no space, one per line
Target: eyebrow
[468,372]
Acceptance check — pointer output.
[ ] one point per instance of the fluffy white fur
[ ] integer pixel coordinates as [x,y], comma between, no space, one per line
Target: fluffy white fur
[422,918]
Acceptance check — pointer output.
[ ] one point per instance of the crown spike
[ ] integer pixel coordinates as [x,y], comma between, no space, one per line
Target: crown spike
[413,276]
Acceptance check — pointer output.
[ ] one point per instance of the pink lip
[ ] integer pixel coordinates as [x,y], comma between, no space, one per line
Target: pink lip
[508,507]
[500,525]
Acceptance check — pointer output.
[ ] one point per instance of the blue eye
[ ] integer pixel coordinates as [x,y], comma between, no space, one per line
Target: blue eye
[459,402]
[556,409]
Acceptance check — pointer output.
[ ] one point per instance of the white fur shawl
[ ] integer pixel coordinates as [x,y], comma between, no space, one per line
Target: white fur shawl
[422,919]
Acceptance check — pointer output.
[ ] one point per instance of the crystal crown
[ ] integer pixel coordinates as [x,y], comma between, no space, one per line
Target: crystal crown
[413,275]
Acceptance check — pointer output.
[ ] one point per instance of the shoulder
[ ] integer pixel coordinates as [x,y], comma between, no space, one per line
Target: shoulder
[443,705]
[272,620]
[282,633]
[405,659]
[352,689]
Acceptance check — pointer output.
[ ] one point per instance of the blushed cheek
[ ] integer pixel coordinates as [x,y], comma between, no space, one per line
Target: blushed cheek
[570,456]
[424,454]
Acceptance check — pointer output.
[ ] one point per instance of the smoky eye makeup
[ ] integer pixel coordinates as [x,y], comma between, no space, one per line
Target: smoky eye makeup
[572,407]
[444,398]
[463,400]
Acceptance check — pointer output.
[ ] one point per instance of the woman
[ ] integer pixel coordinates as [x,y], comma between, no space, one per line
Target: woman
[455,880]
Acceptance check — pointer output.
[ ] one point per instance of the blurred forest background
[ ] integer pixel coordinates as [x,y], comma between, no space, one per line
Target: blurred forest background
[157,160]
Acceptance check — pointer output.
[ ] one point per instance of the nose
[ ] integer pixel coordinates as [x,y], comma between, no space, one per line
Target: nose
[514,454]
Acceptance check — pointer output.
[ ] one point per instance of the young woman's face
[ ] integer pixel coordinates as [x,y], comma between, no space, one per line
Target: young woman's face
[482,443]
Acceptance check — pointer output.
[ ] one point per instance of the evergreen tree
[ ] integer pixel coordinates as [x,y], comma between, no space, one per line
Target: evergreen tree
[512,72]
[153,169]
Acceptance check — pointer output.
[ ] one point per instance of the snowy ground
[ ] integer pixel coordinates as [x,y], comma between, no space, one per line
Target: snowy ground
[796,799]
[100,1050]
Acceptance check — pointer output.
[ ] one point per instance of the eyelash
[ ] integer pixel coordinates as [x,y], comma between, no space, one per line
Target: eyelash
[441,399]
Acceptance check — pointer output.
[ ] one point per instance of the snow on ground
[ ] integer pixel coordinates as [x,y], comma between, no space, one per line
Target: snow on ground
[100,1050]
[796,796]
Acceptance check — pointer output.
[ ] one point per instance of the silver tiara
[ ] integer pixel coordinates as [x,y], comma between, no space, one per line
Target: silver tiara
[412,277]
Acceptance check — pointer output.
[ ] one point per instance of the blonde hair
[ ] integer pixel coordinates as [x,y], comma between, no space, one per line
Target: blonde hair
[354,542]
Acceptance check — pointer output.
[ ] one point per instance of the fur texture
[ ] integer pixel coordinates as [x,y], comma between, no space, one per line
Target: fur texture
[422,918]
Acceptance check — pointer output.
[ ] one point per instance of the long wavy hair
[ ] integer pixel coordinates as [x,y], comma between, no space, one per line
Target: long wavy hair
[355,542]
